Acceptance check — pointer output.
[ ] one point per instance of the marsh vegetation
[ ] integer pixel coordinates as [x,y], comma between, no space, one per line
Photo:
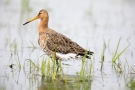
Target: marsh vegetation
[105,27]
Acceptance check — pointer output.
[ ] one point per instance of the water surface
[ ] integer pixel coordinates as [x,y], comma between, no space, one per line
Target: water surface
[87,22]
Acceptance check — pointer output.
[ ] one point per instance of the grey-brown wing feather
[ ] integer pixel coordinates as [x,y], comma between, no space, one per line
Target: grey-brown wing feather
[60,43]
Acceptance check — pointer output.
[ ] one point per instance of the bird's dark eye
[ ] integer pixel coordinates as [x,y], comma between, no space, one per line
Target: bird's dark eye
[39,13]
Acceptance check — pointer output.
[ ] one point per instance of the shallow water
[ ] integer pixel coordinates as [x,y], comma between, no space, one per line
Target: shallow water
[89,23]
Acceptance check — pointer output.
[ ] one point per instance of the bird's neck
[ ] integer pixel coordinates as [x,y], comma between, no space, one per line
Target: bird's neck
[44,22]
[43,26]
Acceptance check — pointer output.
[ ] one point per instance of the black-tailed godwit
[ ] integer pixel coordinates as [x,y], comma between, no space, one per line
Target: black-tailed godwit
[56,44]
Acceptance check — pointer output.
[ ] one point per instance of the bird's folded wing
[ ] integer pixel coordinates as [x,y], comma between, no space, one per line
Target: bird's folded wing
[61,44]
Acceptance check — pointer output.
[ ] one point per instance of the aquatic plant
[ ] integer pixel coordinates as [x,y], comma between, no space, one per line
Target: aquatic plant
[102,55]
[116,55]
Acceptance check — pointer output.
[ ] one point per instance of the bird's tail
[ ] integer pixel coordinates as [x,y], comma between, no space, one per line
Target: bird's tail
[90,53]
[86,54]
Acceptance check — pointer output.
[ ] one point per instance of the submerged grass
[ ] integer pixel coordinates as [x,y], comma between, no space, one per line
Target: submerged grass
[117,65]
[85,75]
[30,66]
[131,83]
[133,70]
[13,47]
[49,68]
[82,72]
[116,56]
[43,67]
[126,67]
[102,55]
[84,79]
[18,61]
[55,76]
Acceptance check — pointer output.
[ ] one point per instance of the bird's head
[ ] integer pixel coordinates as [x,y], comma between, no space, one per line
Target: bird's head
[43,15]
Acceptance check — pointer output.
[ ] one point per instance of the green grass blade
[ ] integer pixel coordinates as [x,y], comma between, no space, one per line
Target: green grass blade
[116,50]
[102,55]
[115,58]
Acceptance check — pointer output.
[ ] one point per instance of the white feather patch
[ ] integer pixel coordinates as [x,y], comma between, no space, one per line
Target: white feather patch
[68,56]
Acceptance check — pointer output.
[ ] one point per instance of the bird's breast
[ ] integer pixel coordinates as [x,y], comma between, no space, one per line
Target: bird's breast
[42,41]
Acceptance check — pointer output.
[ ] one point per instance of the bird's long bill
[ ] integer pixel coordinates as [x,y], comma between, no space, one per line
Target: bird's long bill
[31,20]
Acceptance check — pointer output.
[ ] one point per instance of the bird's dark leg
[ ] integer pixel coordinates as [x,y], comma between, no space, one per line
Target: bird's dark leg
[57,63]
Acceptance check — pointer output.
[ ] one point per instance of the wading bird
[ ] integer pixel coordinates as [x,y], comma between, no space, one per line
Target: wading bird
[55,44]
